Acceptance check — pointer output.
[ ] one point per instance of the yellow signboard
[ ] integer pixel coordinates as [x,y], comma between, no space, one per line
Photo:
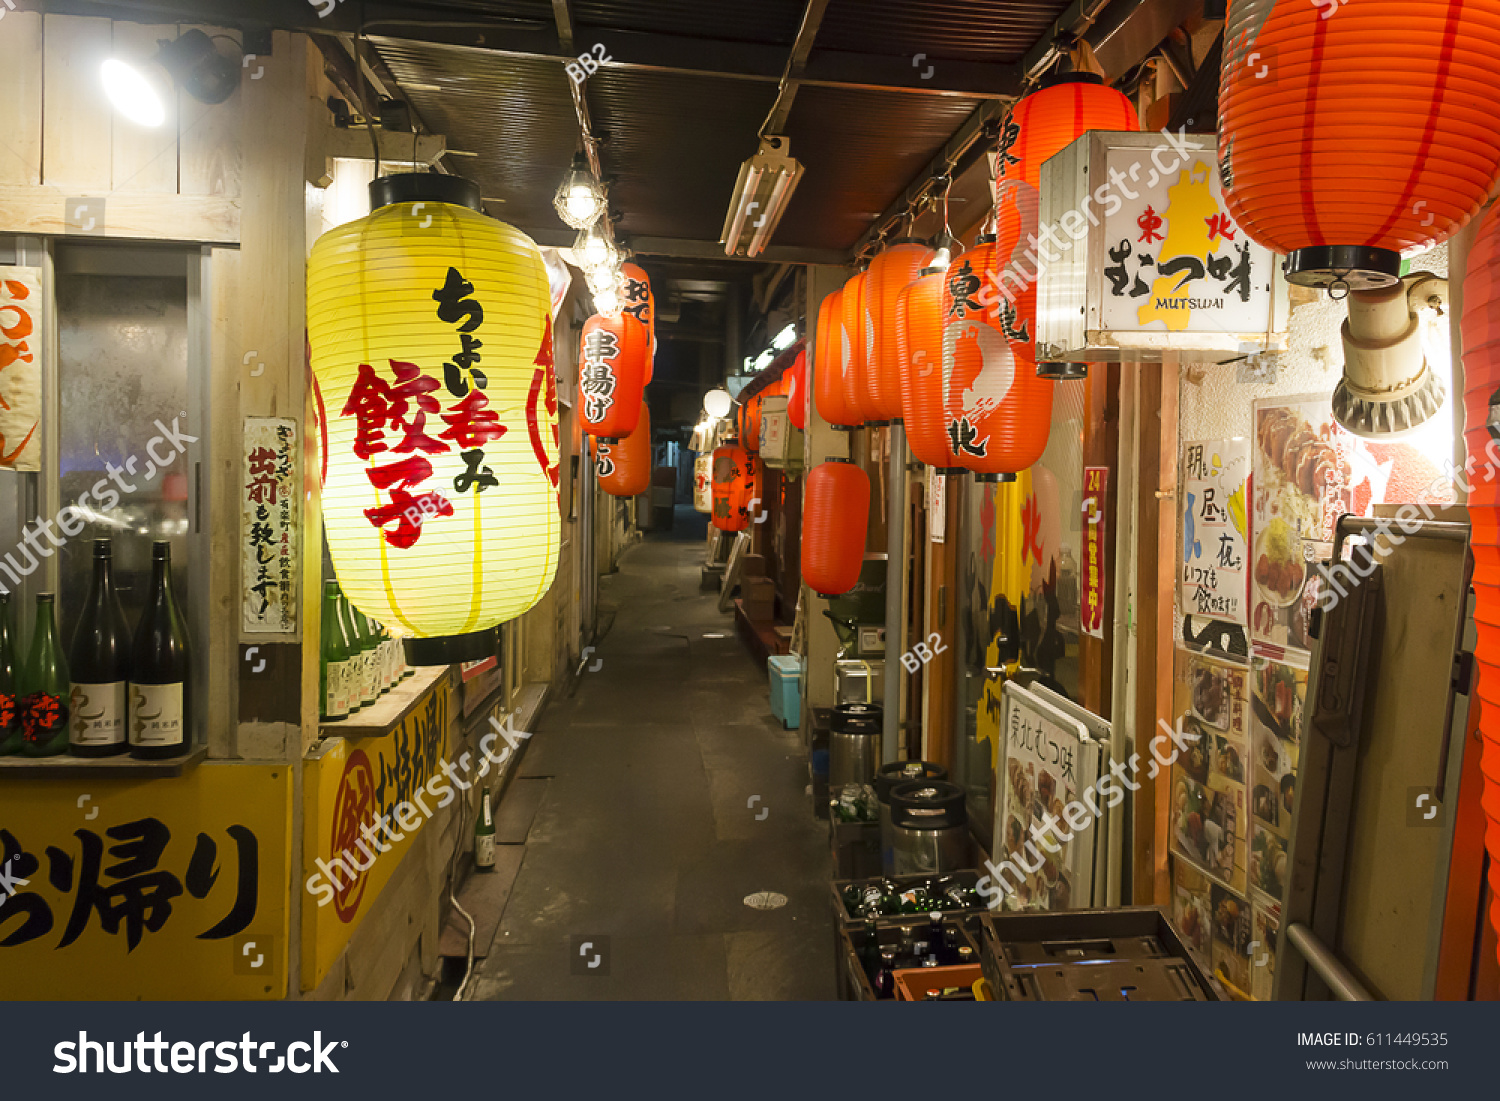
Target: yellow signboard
[170,888]
[363,801]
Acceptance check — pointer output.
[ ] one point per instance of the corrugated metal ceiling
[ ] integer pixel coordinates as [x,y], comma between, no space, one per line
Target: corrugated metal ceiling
[971,30]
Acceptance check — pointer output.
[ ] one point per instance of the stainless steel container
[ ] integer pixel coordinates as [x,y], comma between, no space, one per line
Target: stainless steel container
[887,778]
[929,828]
[854,744]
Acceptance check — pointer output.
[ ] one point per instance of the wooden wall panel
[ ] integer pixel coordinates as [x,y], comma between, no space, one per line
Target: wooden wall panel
[209,137]
[78,128]
[144,159]
[21,97]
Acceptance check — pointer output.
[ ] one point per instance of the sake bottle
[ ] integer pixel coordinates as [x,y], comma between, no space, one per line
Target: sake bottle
[99,663]
[159,661]
[333,679]
[44,687]
[370,685]
[359,671]
[10,709]
[484,835]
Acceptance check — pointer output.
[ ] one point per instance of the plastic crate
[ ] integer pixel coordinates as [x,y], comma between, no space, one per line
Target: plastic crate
[785,671]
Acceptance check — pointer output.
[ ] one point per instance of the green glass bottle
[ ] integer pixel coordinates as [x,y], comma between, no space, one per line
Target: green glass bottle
[357,664]
[10,710]
[45,687]
[333,679]
[370,679]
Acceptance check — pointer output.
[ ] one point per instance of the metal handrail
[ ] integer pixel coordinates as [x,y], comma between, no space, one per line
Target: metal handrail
[1322,960]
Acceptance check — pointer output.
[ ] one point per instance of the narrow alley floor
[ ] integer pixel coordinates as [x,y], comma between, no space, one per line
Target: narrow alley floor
[665,794]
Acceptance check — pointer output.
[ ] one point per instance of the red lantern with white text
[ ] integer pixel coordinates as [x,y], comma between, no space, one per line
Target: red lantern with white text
[919,342]
[835,516]
[611,375]
[1064,108]
[624,468]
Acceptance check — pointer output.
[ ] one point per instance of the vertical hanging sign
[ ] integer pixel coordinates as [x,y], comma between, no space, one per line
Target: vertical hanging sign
[1213,591]
[1095,491]
[937,505]
[268,530]
[20,368]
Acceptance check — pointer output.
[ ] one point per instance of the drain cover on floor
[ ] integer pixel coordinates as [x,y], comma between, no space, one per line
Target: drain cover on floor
[765,900]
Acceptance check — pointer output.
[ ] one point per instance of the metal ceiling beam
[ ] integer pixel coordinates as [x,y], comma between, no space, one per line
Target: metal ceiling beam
[796,63]
[562,14]
[688,249]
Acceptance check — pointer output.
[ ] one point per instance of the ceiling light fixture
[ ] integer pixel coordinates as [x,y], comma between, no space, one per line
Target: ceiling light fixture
[785,339]
[594,250]
[761,194]
[580,198]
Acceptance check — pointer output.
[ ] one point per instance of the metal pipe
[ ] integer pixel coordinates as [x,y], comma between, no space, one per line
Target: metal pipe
[895,584]
[1326,964]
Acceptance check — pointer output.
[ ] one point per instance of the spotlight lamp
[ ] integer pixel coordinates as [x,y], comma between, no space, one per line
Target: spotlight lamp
[191,62]
[580,198]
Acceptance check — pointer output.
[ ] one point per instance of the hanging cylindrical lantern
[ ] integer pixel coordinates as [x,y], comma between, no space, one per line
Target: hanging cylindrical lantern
[624,468]
[919,343]
[888,276]
[829,353]
[431,341]
[639,302]
[703,483]
[734,486]
[1348,142]
[1481,366]
[1064,108]
[611,375]
[835,517]
[998,413]
[854,360]
[749,425]
[796,391]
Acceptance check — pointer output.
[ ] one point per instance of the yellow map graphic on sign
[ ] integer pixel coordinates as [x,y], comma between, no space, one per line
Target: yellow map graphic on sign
[1190,208]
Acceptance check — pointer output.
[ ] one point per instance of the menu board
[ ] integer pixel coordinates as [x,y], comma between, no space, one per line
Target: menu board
[21,361]
[1213,589]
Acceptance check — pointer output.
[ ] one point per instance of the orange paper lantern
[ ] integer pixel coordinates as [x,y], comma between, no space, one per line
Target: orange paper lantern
[919,343]
[888,276]
[835,516]
[828,356]
[611,375]
[735,485]
[854,361]
[796,392]
[998,413]
[624,468]
[749,425]
[640,303]
[1063,109]
[1481,362]
[1347,142]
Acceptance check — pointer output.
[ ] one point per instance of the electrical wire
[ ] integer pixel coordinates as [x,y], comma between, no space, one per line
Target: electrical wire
[458,995]
[359,76]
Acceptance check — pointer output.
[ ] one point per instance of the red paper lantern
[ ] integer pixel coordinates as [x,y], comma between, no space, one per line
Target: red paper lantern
[624,468]
[835,516]
[735,478]
[998,413]
[796,391]
[749,425]
[919,343]
[1349,141]
[640,303]
[611,375]
[854,362]
[1063,109]
[1481,361]
[888,276]
[828,357]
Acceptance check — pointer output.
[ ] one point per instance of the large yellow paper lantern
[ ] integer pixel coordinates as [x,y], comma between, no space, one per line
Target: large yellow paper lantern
[431,343]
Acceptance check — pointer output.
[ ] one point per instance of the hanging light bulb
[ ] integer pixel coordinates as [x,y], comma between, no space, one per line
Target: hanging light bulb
[594,250]
[607,301]
[580,198]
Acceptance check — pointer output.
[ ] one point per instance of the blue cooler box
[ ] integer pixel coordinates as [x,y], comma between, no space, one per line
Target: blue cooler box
[786,688]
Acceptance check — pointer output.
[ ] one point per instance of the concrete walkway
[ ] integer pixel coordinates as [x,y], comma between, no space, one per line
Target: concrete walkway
[668,795]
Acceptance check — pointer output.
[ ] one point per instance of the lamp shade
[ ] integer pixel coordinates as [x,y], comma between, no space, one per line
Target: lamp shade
[611,375]
[835,517]
[1481,365]
[624,468]
[639,302]
[888,276]
[998,413]
[430,338]
[1347,142]
[828,357]
[919,342]
[796,391]
[854,360]
[734,486]
[1064,108]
